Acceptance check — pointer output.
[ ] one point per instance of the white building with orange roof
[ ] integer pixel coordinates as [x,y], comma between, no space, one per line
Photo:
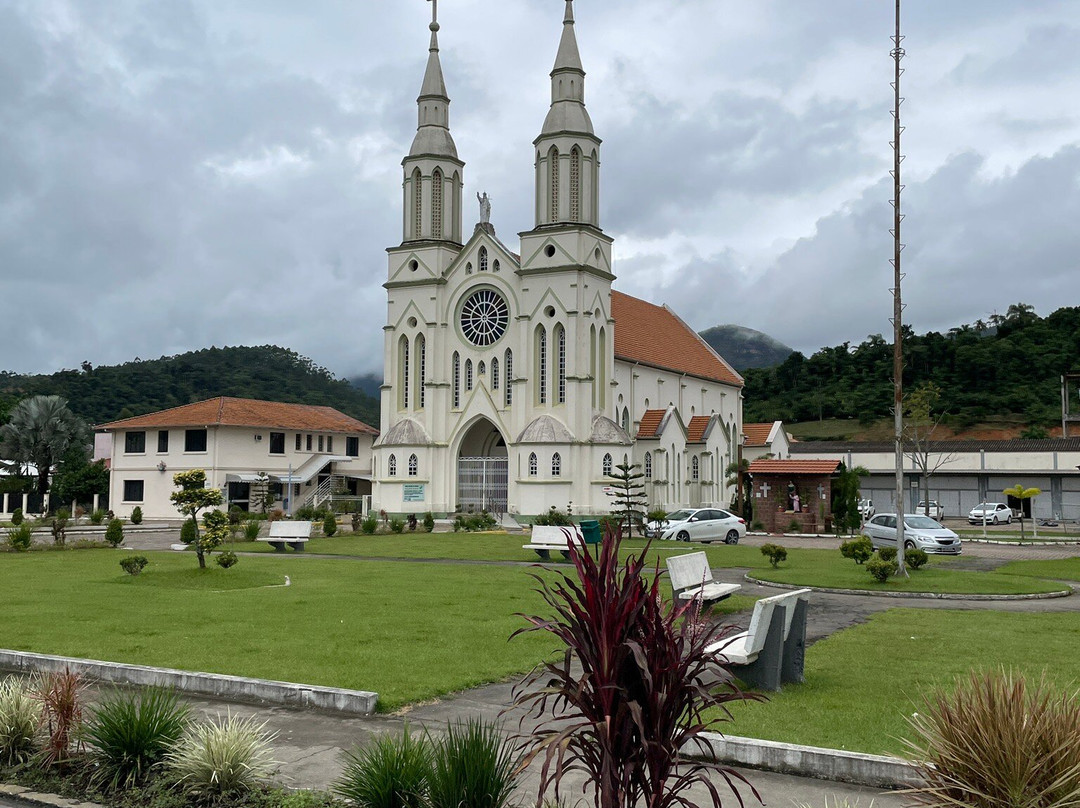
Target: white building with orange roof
[769,439]
[515,381]
[297,453]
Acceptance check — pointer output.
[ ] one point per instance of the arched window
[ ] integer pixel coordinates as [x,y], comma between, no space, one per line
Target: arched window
[532,465]
[592,362]
[607,465]
[391,466]
[414,465]
[553,185]
[560,346]
[509,362]
[457,380]
[468,375]
[403,372]
[418,204]
[602,362]
[483,259]
[556,465]
[626,420]
[575,184]
[496,265]
[494,374]
[648,465]
[695,469]
[421,375]
[437,204]
[541,366]
[481,369]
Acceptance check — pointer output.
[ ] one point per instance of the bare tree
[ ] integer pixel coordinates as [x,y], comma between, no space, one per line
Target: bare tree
[922,418]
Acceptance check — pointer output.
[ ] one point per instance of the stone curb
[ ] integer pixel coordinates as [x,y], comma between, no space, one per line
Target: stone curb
[214,685]
[1024,542]
[878,771]
[20,794]
[1061,593]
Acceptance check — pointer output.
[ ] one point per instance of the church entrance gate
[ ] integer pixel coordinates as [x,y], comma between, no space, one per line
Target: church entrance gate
[482,484]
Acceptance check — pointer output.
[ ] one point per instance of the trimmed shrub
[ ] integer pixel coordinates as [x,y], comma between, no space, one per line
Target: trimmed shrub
[390,772]
[189,532]
[251,530]
[370,525]
[657,515]
[858,550]
[222,758]
[881,570]
[17,517]
[236,515]
[20,715]
[472,766]
[136,515]
[20,537]
[329,526]
[995,741]
[775,553]
[554,517]
[915,558]
[429,522]
[114,533]
[97,516]
[227,559]
[397,525]
[133,565]
[131,732]
[887,553]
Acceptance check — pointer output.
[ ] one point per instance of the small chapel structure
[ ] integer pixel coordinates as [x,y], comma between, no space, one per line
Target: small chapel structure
[517,380]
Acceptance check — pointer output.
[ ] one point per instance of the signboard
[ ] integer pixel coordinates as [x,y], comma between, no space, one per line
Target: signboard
[413,492]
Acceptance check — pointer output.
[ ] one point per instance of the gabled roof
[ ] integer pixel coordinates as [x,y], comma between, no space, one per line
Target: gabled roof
[757,434]
[697,428]
[816,467]
[226,411]
[655,336]
[650,423]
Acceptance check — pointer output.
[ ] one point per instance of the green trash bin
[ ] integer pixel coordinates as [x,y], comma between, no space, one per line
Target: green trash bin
[590,529]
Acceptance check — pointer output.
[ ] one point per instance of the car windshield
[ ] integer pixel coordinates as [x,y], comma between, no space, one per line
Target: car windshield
[924,522]
[987,506]
[679,516]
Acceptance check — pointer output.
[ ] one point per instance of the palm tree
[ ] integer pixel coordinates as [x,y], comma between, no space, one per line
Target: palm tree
[40,431]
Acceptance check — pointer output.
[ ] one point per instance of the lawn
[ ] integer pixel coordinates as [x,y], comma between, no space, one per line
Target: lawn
[863,682]
[407,631]
[1066,569]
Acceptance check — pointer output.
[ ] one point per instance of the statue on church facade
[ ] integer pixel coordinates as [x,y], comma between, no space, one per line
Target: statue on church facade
[485,207]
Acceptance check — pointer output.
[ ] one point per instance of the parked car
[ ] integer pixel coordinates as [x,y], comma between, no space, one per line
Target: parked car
[993,513]
[919,531]
[934,511]
[866,508]
[705,525]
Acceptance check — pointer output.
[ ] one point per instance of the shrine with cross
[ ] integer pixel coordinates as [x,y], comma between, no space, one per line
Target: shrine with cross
[790,493]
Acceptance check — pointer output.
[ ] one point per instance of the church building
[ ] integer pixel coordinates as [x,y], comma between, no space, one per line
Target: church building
[516,381]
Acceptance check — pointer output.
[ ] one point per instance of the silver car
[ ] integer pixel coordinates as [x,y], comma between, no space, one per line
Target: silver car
[920,532]
[705,525]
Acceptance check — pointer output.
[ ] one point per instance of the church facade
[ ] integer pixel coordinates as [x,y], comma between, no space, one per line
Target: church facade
[517,381]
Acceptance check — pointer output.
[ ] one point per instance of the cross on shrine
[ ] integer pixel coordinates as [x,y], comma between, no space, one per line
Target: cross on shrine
[765,488]
[821,491]
[434,10]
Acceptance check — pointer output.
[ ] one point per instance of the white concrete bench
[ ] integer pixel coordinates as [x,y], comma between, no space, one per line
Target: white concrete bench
[773,650]
[692,579]
[294,534]
[546,538]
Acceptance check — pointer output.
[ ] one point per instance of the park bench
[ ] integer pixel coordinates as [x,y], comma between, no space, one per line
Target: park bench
[773,650]
[293,534]
[548,538]
[692,579]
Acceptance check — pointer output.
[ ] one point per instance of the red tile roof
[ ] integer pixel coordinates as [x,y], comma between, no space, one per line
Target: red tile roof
[817,467]
[695,430]
[650,422]
[757,434]
[247,412]
[654,335]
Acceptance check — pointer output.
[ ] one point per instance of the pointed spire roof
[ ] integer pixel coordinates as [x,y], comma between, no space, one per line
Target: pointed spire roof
[434,84]
[568,58]
[433,126]
[568,113]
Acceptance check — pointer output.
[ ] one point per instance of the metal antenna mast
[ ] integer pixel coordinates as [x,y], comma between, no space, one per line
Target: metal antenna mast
[898,306]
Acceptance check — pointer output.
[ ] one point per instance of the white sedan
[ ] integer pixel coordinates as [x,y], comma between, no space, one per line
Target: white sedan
[920,532]
[705,525]
[992,513]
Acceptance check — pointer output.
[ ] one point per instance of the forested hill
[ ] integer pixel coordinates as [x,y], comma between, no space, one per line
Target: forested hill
[270,373]
[1010,365]
[746,348]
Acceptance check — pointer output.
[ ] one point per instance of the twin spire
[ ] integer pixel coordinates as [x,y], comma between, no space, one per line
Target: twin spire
[433,126]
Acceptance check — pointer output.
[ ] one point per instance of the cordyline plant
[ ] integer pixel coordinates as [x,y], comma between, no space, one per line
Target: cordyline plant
[61,697]
[629,692]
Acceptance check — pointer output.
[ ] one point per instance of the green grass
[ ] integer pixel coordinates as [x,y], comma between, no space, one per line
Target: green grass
[407,631]
[1066,569]
[863,682]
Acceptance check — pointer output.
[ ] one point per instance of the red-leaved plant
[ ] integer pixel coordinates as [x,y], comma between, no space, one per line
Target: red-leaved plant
[629,692]
[61,696]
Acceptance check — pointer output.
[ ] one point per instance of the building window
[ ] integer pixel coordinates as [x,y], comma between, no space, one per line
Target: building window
[391,466]
[533,465]
[607,465]
[437,204]
[414,465]
[560,344]
[494,374]
[695,468]
[457,380]
[541,366]
[403,372]
[468,375]
[648,465]
[421,382]
[509,362]
[418,206]
[309,443]
[575,184]
[321,443]
[553,171]
[135,443]
[133,490]
[329,443]
[481,369]
[556,465]
[352,447]
[277,443]
[163,441]
[483,259]
[299,441]
[195,440]
[496,265]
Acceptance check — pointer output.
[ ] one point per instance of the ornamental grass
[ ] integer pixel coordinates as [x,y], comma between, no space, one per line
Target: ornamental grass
[20,716]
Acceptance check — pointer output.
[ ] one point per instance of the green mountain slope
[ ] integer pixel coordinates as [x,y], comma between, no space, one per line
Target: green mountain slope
[270,373]
[746,348]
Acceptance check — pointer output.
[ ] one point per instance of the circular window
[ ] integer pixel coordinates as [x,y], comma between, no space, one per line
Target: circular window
[550,311]
[414,265]
[484,317]
[412,322]
[549,251]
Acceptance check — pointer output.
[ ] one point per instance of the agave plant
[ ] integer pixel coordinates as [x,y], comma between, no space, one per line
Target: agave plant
[222,758]
[472,766]
[645,684]
[390,772]
[132,732]
[61,697]
[20,716]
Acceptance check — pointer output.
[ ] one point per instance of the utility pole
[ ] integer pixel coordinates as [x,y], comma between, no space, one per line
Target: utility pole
[898,307]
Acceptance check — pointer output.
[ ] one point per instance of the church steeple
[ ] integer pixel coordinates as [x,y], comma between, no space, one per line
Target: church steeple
[432,170]
[568,111]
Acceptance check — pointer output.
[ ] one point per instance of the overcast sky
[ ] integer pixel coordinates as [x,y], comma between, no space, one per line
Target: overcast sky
[181,173]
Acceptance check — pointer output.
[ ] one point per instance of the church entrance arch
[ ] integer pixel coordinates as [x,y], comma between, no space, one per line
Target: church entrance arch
[482,469]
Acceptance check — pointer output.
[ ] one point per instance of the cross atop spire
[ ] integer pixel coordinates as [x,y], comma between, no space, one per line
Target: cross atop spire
[568,84]
[433,130]
[568,57]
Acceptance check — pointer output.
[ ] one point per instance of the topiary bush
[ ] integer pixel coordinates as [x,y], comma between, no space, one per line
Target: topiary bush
[133,565]
[915,558]
[136,516]
[858,550]
[329,525]
[370,524]
[189,532]
[114,533]
[17,517]
[97,516]
[554,517]
[227,559]
[397,525]
[775,553]
[881,570]
[429,522]
[887,553]
[21,537]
